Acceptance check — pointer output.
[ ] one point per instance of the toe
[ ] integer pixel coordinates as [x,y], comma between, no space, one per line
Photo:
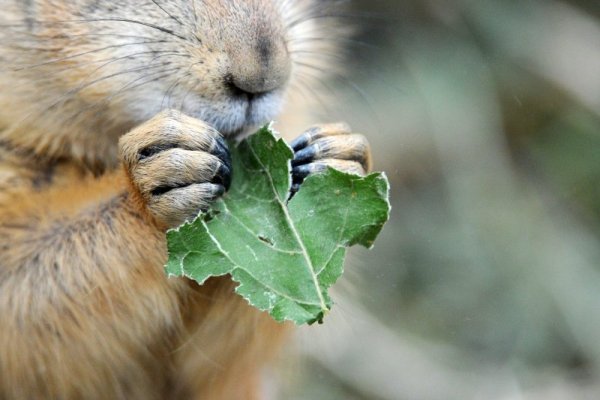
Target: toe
[318,132]
[179,205]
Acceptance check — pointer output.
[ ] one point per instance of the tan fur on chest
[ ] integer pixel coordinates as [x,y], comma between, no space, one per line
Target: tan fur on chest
[110,314]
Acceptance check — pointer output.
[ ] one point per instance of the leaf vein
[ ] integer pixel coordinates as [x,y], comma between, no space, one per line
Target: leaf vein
[237,266]
[256,235]
[309,263]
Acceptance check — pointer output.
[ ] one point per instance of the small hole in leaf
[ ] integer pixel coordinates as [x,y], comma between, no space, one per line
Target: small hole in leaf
[266,240]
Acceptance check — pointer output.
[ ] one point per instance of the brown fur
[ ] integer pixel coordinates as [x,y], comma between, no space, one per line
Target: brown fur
[86,309]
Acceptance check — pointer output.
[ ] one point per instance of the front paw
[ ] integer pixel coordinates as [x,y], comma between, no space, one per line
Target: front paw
[331,145]
[178,165]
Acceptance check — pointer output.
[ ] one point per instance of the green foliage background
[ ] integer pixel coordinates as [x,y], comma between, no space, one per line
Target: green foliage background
[486,282]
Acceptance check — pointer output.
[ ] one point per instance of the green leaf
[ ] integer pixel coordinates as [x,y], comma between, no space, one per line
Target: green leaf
[284,255]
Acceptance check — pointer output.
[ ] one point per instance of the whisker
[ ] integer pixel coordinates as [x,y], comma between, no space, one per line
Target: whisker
[168,13]
[133,21]
[301,40]
[336,15]
[85,53]
[81,21]
[169,93]
[314,94]
[72,92]
[154,76]
[187,93]
[369,101]
[174,85]
[160,53]
[37,38]
[162,74]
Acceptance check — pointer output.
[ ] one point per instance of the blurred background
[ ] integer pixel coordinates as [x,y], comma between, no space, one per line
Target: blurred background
[485,284]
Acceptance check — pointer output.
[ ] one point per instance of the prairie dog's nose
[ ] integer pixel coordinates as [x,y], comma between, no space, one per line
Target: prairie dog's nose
[262,67]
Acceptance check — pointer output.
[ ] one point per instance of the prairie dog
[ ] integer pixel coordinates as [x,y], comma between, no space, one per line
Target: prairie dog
[112,118]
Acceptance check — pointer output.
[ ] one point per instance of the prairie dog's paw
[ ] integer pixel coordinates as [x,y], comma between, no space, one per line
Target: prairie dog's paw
[178,164]
[330,145]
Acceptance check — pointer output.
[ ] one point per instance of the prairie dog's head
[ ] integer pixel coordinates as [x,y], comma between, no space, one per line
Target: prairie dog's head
[119,62]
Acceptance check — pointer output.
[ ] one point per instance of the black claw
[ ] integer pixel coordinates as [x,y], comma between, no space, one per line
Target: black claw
[300,172]
[293,190]
[304,155]
[300,142]
[223,176]
[222,151]
[220,190]
[217,191]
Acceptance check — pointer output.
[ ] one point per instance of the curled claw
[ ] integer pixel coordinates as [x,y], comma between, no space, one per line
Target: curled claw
[223,176]
[325,146]
[221,150]
[317,132]
[179,166]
